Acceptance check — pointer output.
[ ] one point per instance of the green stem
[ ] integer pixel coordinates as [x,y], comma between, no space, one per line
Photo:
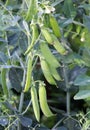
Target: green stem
[21,102]
[22,93]
[11,124]
[69,125]
[27,108]
[67,88]
[58,123]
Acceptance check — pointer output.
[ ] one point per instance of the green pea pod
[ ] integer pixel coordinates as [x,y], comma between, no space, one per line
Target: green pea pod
[48,55]
[46,20]
[45,32]
[55,26]
[43,101]
[46,71]
[3,80]
[35,103]
[58,46]
[54,73]
[32,10]
[35,35]
[28,74]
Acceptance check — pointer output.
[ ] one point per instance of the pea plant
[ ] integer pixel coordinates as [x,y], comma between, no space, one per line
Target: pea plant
[44,65]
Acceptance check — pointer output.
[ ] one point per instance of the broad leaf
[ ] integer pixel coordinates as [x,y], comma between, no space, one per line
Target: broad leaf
[75,72]
[10,106]
[3,121]
[86,56]
[86,20]
[3,58]
[72,124]
[26,122]
[69,9]
[57,2]
[3,40]
[75,58]
[85,6]
[82,80]
[82,94]
[23,42]
[13,39]
[15,77]
[65,22]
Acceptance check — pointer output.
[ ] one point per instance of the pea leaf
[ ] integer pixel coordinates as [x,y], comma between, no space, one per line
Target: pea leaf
[86,20]
[15,77]
[82,94]
[82,80]
[3,58]
[3,121]
[26,122]
[23,42]
[69,9]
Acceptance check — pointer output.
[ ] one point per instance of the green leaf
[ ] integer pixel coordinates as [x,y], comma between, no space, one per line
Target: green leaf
[86,56]
[86,21]
[82,80]
[13,39]
[69,9]
[74,57]
[57,2]
[23,42]
[85,6]
[11,2]
[67,22]
[82,94]
[25,121]
[3,58]
[15,77]
[3,121]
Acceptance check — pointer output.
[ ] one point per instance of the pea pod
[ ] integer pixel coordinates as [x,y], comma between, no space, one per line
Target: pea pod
[3,81]
[55,26]
[43,101]
[45,32]
[58,46]
[32,10]
[46,20]
[52,40]
[35,35]
[28,74]
[54,73]
[48,55]
[35,103]
[46,71]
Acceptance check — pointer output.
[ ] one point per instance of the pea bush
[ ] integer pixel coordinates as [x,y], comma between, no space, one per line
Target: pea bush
[44,65]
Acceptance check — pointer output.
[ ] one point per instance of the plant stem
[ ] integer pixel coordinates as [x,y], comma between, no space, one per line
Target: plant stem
[11,124]
[21,102]
[22,93]
[67,89]
[67,94]
[58,123]
[27,107]
[68,103]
